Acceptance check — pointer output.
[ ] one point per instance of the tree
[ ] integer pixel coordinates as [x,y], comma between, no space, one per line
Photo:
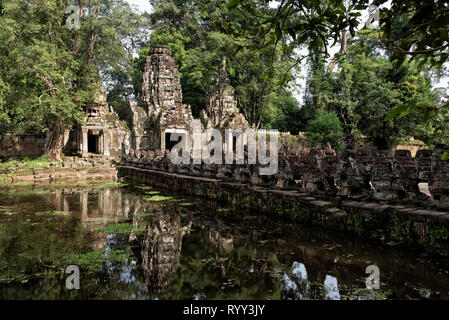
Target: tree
[325,128]
[408,29]
[49,72]
[283,114]
[366,88]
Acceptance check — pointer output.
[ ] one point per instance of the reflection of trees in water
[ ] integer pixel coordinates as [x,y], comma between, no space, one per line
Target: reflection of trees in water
[295,284]
[160,244]
[161,249]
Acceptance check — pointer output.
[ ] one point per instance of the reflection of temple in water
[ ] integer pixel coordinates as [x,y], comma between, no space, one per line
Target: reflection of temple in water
[161,250]
[223,243]
[97,208]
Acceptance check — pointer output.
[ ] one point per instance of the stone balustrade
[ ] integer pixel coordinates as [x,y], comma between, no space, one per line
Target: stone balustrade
[353,174]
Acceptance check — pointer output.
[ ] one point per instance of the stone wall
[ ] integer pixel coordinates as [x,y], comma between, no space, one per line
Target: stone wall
[15,146]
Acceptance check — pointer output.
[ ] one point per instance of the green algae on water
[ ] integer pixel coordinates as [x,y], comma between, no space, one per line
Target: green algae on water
[157,198]
[120,228]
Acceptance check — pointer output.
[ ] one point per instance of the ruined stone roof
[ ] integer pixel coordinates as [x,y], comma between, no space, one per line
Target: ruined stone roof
[221,106]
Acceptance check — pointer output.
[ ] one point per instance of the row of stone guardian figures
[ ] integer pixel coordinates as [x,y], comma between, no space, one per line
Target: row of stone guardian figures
[365,174]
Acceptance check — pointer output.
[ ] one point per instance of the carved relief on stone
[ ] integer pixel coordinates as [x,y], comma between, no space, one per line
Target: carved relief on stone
[160,104]
[161,86]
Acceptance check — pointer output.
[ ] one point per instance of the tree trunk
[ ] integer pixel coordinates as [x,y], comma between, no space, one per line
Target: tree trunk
[55,143]
[343,47]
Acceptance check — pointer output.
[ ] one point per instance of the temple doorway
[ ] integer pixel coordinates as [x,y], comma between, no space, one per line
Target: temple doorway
[168,143]
[93,142]
[181,134]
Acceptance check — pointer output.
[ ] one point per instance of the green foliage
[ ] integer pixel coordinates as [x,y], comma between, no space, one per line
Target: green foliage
[26,163]
[417,29]
[446,155]
[435,130]
[365,90]
[282,114]
[325,128]
[399,230]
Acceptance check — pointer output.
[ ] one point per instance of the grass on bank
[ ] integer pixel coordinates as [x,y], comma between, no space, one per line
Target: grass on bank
[27,163]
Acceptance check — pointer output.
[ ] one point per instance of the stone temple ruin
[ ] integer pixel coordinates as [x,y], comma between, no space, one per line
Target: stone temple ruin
[221,106]
[102,134]
[160,110]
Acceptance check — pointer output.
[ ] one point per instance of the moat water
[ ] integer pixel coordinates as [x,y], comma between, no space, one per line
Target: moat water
[129,246]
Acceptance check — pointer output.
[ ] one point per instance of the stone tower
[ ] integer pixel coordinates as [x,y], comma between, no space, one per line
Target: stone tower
[161,87]
[221,106]
[160,110]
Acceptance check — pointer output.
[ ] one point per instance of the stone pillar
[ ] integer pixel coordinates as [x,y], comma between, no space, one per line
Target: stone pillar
[162,140]
[106,142]
[66,137]
[84,149]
